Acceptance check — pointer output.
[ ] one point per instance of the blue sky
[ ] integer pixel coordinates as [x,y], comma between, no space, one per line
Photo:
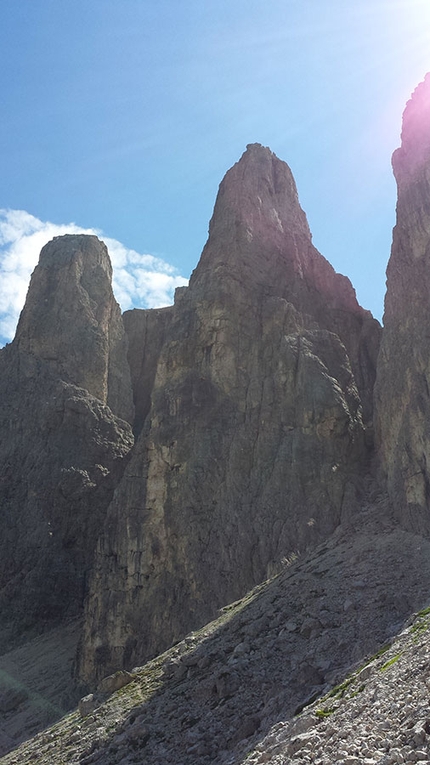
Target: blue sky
[122,117]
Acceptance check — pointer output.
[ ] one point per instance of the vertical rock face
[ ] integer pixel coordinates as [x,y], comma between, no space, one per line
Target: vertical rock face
[260,246]
[146,332]
[72,322]
[255,431]
[403,382]
[64,385]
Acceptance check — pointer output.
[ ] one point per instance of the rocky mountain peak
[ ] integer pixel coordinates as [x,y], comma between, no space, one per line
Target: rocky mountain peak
[259,241]
[72,321]
[65,408]
[415,148]
[76,267]
[254,396]
[259,193]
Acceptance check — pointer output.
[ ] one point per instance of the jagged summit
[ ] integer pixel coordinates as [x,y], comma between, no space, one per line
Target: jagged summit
[415,148]
[72,321]
[259,240]
[261,192]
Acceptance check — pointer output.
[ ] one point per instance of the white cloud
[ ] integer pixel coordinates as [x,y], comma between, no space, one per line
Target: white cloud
[139,280]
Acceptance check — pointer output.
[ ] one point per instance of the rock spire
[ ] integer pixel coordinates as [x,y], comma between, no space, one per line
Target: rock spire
[64,391]
[72,322]
[255,431]
[403,383]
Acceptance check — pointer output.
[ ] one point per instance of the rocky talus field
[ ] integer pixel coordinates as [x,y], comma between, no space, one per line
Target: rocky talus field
[326,662]
[215,516]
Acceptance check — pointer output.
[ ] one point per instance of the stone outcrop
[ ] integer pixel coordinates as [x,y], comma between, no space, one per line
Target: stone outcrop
[257,408]
[64,389]
[403,384]
[73,324]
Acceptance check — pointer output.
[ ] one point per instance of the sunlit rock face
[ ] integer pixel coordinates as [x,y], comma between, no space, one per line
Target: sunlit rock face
[64,389]
[256,388]
[403,383]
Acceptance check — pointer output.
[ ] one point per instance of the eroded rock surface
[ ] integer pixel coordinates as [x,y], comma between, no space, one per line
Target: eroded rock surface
[62,447]
[72,322]
[255,437]
[403,384]
[146,331]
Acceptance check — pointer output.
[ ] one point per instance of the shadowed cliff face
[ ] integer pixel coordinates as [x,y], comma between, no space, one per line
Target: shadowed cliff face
[62,448]
[403,383]
[72,322]
[254,436]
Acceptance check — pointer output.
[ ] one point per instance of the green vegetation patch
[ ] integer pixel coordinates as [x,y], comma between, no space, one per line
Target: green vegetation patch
[421,623]
[424,612]
[390,662]
[380,653]
[359,690]
[335,695]
[323,713]
[420,626]
[339,690]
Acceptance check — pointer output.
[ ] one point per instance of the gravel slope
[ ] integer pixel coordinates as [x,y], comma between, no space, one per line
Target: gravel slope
[233,692]
[35,684]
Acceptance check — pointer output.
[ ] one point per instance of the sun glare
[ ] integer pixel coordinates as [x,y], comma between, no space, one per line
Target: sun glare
[416,16]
